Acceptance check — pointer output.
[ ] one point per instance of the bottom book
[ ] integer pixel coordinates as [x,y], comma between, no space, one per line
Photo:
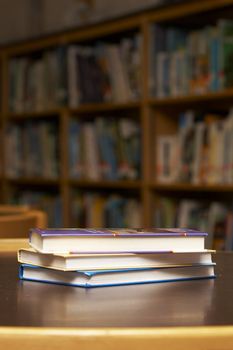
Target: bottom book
[107,278]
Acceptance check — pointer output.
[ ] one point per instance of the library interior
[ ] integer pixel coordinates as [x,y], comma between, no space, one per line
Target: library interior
[119,116]
[116,121]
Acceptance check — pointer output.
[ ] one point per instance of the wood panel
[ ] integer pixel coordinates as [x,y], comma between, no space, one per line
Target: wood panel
[183,338]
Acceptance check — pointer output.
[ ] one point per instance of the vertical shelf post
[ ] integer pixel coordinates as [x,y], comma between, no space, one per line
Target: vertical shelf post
[3,123]
[64,166]
[147,132]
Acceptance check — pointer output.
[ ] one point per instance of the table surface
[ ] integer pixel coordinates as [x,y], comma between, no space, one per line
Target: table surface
[193,303]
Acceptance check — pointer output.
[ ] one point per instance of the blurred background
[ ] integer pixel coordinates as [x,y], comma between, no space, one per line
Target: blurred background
[119,113]
[32,18]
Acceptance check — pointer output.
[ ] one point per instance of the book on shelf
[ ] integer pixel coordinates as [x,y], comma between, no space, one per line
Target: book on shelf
[98,261]
[32,150]
[121,63]
[105,148]
[196,61]
[115,240]
[226,46]
[214,217]
[75,74]
[75,151]
[50,203]
[38,83]
[200,152]
[166,158]
[90,146]
[102,278]
[100,210]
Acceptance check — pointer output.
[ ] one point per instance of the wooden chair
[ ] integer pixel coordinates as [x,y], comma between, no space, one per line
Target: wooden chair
[9,209]
[17,225]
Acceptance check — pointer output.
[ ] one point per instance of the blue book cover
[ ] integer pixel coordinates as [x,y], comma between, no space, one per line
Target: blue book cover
[107,155]
[119,232]
[214,59]
[108,148]
[120,277]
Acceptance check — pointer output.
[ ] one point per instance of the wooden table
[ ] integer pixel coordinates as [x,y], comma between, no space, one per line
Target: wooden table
[182,315]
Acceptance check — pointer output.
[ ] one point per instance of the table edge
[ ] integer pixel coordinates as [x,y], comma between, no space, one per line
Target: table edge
[208,337]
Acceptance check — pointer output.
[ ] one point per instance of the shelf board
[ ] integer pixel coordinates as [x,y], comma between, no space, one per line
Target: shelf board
[104,107]
[183,187]
[124,184]
[226,95]
[82,109]
[102,184]
[34,181]
[191,8]
[80,34]
[43,114]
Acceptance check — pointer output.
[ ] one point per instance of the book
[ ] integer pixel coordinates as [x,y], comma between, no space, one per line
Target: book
[48,202]
[200,152]
[118,77]
[115,240]
[38,82]
[188,212]
[95,261]
[186,136]
[107,278]
[92,209]
[215,61]
[190,61]
[165,213]
[225,27]
[213,217]
[32,150]
[92,169]
[167,152]
[198,142]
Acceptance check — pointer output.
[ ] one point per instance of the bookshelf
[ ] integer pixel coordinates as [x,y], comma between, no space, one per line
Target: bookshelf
[155,116]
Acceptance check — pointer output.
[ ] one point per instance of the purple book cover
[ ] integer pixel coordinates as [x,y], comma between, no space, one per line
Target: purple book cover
[111,232]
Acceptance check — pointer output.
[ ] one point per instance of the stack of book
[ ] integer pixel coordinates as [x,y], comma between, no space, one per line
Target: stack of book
[109,257]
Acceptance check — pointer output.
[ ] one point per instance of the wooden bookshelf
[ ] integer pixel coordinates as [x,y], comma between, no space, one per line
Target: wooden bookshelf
[182,187]
[83,109]
[105,107]
[121,185]
[33,181]
[156,116]
[42,114]
[211,97]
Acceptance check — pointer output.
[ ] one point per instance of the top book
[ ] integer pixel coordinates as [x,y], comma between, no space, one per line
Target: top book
[116,240]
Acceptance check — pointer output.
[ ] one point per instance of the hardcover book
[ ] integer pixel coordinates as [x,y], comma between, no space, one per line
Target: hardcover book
[116,240]
[94,261]
[104,278]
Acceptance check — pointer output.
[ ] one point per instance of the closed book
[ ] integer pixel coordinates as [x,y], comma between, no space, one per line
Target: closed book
[91,151]
[95,261]
[115,240]
[72,77]
[107,278]
[166,158]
